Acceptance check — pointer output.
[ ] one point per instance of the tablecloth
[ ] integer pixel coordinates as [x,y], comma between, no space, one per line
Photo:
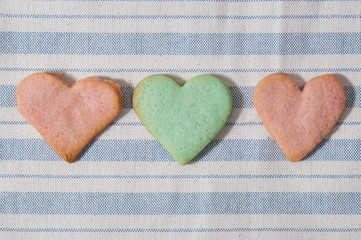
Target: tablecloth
[125,185]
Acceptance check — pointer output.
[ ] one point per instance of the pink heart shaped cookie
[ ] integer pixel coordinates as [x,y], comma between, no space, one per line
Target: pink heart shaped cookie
[296,119]
[68,116]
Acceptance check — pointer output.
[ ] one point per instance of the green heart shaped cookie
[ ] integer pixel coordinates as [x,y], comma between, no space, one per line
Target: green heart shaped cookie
[183,119]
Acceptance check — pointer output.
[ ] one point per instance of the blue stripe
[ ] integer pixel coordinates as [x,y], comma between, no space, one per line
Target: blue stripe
[151,151]
[242,96]
[180,203]
[7,96]
[210,176]
[180,43]
[218,17]
[177,70]
[182,230]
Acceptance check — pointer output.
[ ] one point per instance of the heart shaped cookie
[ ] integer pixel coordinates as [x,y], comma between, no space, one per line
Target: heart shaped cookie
[183,119]
[296,119]
[68,116]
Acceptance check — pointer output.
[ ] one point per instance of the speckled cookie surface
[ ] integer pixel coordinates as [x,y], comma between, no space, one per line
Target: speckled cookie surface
[296,119]
[184,119]
[68,116]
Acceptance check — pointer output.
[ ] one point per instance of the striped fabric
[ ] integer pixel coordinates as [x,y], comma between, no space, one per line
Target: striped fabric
[125,185]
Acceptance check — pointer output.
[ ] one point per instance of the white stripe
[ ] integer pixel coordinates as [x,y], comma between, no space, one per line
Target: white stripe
[180,221]
[180,185]
[244,115]
[181,62]
[181,7]
[132,79]
[141,133]
[10,114]
[173,168]
[180,25]
[238,115]
[182,235]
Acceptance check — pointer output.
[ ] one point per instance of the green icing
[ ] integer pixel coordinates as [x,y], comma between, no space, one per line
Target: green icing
[183,119]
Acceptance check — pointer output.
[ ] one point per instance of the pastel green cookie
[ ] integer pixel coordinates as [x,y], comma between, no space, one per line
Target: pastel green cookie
[183,119]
